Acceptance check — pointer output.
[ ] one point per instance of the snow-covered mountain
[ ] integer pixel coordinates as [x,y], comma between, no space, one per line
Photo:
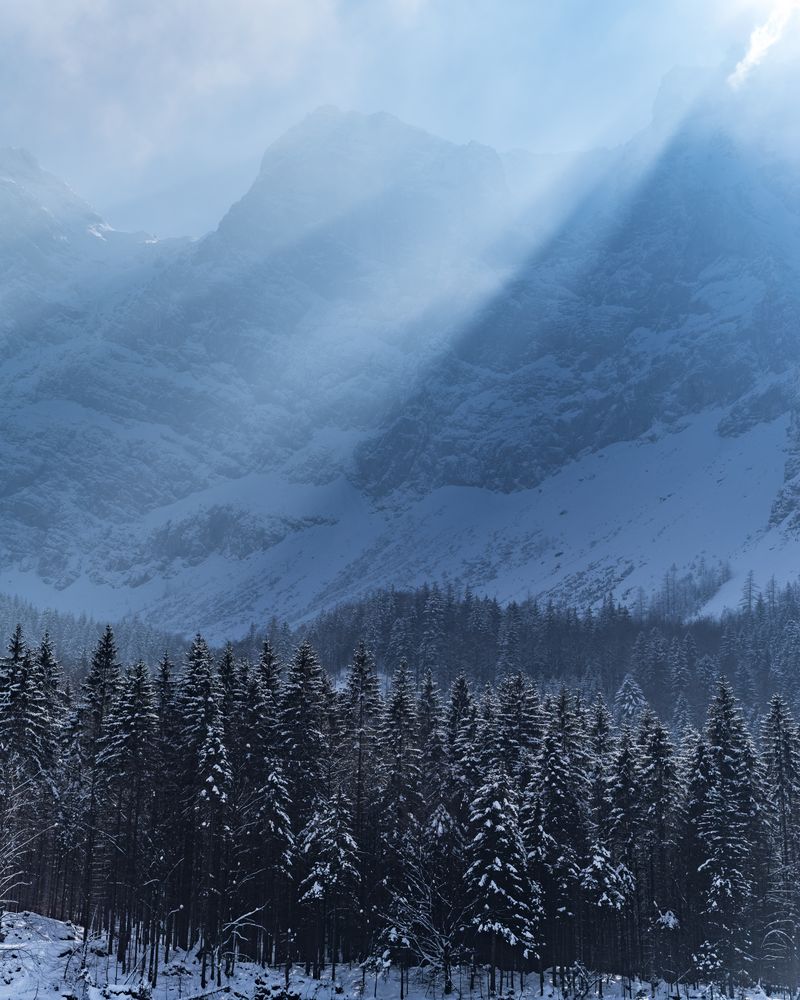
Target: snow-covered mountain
[398,359]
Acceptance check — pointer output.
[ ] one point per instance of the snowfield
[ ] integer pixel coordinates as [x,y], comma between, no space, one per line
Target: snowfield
[615,520]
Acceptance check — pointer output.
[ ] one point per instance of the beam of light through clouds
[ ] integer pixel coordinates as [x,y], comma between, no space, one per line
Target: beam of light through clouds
[158,112]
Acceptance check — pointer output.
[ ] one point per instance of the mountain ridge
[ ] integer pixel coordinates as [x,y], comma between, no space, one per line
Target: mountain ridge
[385,366]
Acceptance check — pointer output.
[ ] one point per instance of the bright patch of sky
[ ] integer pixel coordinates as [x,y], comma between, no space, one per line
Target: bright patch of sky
[159,111]
[764,38]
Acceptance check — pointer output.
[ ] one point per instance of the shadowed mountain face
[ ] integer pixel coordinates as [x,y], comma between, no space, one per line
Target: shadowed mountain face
[665,294]
[386,365]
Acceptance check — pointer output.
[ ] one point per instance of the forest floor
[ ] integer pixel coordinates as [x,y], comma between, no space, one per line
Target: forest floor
[46,959]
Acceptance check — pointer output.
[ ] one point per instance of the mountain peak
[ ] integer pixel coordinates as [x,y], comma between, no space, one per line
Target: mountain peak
[331,167]
[329,127]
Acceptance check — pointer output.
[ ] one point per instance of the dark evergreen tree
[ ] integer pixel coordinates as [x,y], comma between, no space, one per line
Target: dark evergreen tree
[730,826]
[331,875]
[781,749]
[303,741]
[504,903]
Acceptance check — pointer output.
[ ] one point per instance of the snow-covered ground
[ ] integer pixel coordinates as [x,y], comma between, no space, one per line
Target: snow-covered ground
[42,958]
[614,521]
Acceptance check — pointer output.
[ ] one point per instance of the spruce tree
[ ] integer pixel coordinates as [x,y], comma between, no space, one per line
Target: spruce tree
[98,691]
[730,827]
[629,702]
[781,748]
[658,803]
[127,762]
[303,739]
[362,708]
[504,903]
[401,799]
[329,853]
[565,820]
[432,746]
[518,722]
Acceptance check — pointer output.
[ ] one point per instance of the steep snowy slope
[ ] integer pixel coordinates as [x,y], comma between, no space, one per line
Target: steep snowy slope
[384,367]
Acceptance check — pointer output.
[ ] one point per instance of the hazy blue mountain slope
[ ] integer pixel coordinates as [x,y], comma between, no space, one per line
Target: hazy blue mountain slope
[135,402]
[394,360]
[687,297]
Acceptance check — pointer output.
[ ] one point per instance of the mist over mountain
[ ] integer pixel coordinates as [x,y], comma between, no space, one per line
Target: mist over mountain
[398,359]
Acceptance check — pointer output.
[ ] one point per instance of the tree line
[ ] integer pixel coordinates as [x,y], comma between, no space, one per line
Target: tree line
[675,662]
[75,636]
[248,809]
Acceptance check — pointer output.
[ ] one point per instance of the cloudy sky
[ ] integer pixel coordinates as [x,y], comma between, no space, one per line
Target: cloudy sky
[158,111]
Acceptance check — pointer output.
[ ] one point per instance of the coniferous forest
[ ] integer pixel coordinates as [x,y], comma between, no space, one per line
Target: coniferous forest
[614,796]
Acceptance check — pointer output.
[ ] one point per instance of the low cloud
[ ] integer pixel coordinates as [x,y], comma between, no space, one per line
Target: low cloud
[764,37]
